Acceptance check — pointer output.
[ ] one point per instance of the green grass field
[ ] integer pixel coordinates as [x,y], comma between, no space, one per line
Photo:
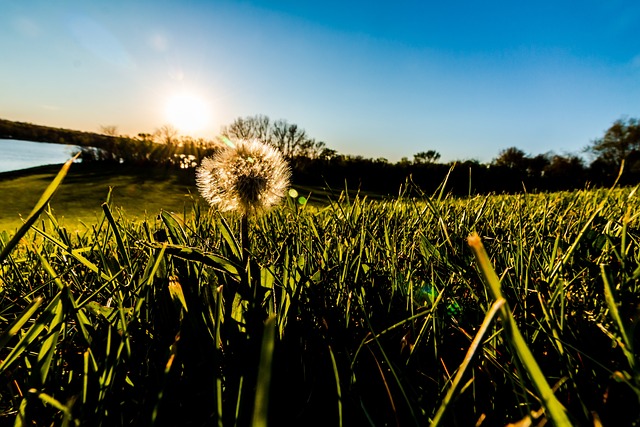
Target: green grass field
[140,193]
[358,312]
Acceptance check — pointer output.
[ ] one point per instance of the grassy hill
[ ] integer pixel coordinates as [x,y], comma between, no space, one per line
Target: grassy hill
[140,193]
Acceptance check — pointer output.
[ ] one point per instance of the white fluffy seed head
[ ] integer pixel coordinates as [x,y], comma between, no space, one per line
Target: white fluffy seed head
[246,177]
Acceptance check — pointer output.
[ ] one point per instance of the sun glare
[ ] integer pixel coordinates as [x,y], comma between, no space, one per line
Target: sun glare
[188,113]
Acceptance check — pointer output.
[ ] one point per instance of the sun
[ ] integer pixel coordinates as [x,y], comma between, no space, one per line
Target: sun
[187,112]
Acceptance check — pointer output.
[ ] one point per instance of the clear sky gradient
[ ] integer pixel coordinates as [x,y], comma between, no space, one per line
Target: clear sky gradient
[378,79]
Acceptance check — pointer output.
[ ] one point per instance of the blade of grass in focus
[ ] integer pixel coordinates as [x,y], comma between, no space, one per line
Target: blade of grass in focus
[625,343]
[261,405]
[553,407]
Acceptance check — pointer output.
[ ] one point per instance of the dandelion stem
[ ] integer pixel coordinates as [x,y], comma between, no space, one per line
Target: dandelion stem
[244,239]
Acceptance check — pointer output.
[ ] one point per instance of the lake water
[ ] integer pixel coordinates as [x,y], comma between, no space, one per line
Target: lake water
[16,154]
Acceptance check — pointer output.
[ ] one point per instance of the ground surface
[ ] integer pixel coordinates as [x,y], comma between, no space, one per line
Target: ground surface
[139,193]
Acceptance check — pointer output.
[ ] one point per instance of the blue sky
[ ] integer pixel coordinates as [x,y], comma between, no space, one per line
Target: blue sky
[378,79]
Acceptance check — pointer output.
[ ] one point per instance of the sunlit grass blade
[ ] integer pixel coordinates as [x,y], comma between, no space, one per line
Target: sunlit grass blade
[177,295]
[116,232]
[213,260]
[20,321]
[48,348]
[261,406]
[176,232]
[218,347]
[554,408]
[227,234]
[75,253]
[626,344]
[39,326]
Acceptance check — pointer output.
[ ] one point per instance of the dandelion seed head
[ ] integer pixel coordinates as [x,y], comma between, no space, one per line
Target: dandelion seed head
[245,176]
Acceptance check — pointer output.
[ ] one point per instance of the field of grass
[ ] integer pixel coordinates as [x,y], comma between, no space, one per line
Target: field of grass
[140,193]
[357,313]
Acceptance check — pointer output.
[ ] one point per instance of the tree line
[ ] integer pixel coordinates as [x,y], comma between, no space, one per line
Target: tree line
[163,147]
[511,171]
[314,164]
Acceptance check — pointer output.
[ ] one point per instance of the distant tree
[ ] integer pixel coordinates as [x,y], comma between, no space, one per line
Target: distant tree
[620,142]
[512,158]
[252,127]
[430,156]
[110,130]
[404,161]
[289,138]
[536,165]
[166,134]
[146,137]
[565,172]
[327,153]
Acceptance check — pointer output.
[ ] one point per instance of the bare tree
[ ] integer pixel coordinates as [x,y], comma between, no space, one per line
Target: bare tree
[253,127]
[167,134]
[289,138]
[110,130]
[317,149]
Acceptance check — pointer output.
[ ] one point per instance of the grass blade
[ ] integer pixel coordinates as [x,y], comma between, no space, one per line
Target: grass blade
[20,321]
[554,408]
[467,359]
[32,334]
[261,407]
[338,389]
[116,232]
[626,344]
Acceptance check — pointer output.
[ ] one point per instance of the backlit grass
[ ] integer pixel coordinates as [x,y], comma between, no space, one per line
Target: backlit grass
[357,313]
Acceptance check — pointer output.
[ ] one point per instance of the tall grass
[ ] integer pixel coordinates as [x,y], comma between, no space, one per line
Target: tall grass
[359,313]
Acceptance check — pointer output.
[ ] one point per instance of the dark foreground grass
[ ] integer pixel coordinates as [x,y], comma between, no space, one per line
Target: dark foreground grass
[359,313]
